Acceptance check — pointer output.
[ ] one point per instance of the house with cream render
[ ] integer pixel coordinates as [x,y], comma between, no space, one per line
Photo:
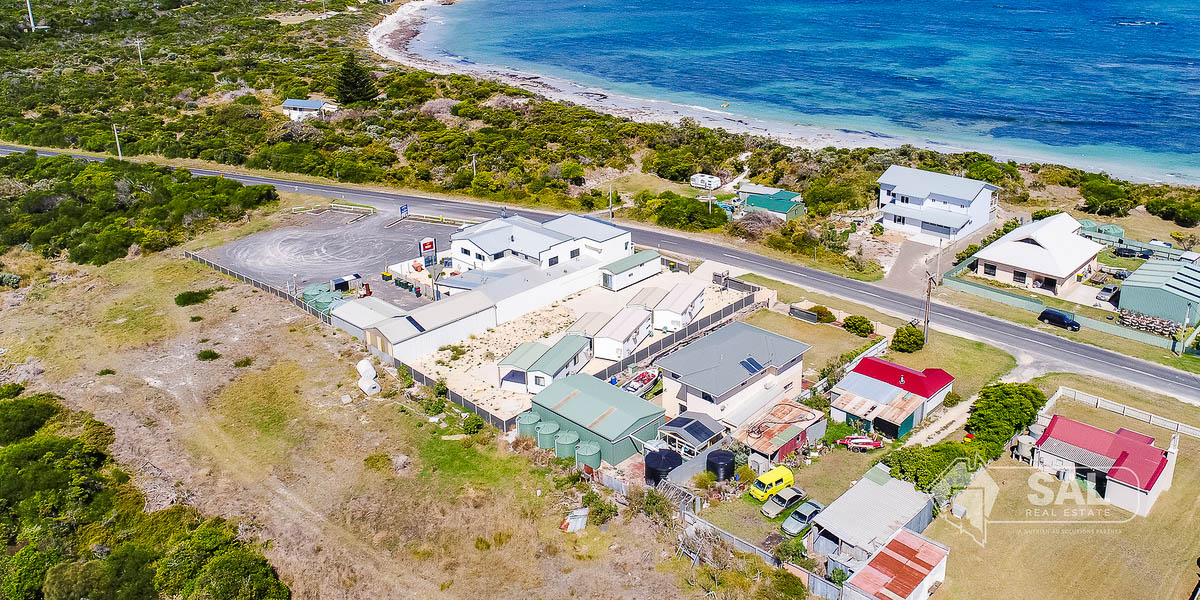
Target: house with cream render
[543,245]
[944,206]
[1047,255]
[732,373]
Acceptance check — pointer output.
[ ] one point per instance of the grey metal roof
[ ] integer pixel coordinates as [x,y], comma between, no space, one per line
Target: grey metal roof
[714,363]
[627,321]
[872,510]
[1077,455]
[938,216]
[298,103]
[919,183]
[365,312]
[879,392]
[531,277]
[647,297]
[514,232]
[589,324]
[680,297]
[584,227]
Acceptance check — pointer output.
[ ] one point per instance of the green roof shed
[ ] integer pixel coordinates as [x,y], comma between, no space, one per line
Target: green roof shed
[1168,289]
[601,413]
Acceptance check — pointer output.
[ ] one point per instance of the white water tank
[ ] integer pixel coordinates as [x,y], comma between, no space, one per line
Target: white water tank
[369,387]
[365,369]
[1025,447]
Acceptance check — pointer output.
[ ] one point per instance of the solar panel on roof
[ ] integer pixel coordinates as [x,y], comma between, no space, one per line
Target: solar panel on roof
[754,363]
[699,431]
[679,423]
[749,368]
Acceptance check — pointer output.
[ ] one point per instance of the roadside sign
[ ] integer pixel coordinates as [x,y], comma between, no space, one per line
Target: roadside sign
[428,261]
[428,245]
[404,211]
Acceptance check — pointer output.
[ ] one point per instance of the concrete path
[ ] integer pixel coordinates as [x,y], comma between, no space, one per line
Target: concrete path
[943,426]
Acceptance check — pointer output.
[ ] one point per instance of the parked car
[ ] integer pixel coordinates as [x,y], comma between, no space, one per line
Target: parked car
[1108,292]
[786,498]
[1126,252]
[1058,319]
[860,443]
[770,482]
[800,518]
[1122,273]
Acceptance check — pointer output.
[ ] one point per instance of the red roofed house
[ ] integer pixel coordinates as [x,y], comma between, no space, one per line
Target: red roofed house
[909,567]
[1124,468]
[891,399]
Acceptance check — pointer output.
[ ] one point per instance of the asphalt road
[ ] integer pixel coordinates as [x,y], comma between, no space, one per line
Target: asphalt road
[1040,345]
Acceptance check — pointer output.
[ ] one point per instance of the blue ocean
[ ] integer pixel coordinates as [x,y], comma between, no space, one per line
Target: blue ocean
[1113,84]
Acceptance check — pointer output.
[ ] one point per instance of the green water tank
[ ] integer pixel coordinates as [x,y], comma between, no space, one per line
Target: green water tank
[545,434]
[526,422]
[312,291]
[588,453]
[1088,225]
[1113,230]
[564,444]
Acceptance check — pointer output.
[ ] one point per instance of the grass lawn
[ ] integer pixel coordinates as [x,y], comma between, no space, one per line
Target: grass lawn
[742,518]
[1099,339]
[1049,301]
[1138,225]
[1145,557]
[1108,258]
[830,475]
[973,364]
[636,182]
[828,342]
[790,293]
[1131,396]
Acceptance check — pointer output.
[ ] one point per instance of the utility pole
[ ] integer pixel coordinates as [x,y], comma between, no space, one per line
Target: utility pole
[139,46]
[939,262]
[473,173]
[610,204]
[118,138]
[32,25]
[928,296]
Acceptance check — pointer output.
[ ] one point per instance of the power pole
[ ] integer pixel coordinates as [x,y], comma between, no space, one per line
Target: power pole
[473,173]
[610,204]
[118,138]
[32,24]
[139,46]
[928,296]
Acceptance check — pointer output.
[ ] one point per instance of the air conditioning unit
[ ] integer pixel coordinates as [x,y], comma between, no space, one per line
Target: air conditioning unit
[770,383]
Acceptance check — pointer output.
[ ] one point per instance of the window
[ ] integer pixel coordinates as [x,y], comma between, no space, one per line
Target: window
[626,245]
[989,269]
[706,396]
[553,260]
[478,256]
[498,256]
[903,199]
[789,385]
[891,193]
[575,253]
[898,219]
[465,251]
[1019,276]
[682,408]
[539,380]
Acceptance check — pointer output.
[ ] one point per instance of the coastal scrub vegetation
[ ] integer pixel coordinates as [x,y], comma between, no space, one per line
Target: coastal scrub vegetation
[97,211]
[75,527]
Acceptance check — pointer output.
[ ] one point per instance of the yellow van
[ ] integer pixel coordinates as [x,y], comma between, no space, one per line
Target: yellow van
[770,482]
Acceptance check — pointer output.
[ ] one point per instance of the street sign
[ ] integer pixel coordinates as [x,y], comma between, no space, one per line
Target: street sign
[428,261]
[404,211]
[428,245]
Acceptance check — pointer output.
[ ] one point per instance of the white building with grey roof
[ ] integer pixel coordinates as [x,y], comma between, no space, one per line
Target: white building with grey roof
[543,245]
[732,373]
[942,206]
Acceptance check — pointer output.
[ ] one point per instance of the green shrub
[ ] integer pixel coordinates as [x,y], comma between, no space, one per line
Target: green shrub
[11,280]
[793,551]
[242,363]
[11,390]
[704,480]
[194,297]
[952,399]
[782,585]
[379,461]
[472,424]
[22,417]
[824,315]
[877,229]
[433,405]
[239,573]
[207,354]
[1044,213]
[839,576]
[600,511]
[909,338]
[858,325]
[103,372]
[745,474]
[835,431]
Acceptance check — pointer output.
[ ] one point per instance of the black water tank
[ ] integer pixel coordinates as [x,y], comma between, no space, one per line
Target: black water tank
[659,464]
[721,463]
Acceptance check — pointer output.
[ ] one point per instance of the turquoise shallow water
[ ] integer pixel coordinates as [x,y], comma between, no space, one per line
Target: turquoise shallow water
[1113,84]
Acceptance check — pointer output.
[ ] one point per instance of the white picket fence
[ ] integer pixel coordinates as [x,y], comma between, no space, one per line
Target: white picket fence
[1116,407]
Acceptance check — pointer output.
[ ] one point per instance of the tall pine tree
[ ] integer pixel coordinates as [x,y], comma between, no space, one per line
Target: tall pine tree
[354,83]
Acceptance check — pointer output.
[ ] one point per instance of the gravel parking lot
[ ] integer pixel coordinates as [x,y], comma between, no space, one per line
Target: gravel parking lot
[327,246]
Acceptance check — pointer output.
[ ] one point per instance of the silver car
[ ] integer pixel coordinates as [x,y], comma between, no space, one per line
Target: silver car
[781,501]
[1107,292]
[801,517]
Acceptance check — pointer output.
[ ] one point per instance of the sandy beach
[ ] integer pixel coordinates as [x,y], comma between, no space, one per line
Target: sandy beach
[398,38]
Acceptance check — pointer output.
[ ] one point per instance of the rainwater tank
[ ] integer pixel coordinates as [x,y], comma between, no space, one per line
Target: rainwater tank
[1025,447]
[588,453]
[659,464]
[564,444]
[721,463]
[526,422]
[545,434]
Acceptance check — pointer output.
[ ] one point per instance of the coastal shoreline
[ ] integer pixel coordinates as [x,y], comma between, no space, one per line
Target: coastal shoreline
[394,37]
